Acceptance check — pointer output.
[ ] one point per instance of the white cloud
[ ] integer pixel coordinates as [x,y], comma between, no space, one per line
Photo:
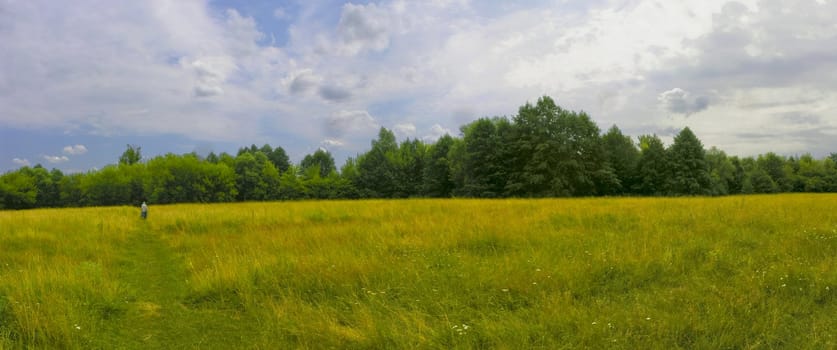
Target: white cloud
[56,159]
[404,130]
[83,67]
[213,68]
[75,150]
[327,143]
[363,27]
[208,74]
[345,121]
[280,13]
[21,162]
[436,131]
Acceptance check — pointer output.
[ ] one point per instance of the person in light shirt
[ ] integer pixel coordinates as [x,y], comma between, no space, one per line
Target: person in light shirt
[144,210]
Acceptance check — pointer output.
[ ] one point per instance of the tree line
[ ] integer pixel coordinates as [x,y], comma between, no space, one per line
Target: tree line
[543,151]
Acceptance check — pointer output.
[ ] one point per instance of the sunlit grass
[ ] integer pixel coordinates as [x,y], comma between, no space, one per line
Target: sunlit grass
[734,272]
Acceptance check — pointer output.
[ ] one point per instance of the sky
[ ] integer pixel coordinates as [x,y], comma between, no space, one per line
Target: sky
[80,80]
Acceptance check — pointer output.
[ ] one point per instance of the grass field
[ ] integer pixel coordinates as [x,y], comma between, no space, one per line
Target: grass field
[756,272]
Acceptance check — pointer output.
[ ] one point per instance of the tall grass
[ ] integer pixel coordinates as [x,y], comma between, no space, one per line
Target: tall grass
[733,272]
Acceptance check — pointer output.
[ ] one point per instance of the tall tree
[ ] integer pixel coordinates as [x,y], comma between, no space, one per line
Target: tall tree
[178,179]
[652,168]
[212,158]
[70,190]
[321,160]
[291,186]
[623,156]
[436,179]
[277,156]
[108,186]
[481,167]
[829,165]
[18,190]
[813,174]
[759,181]
[132,155]
[557,153]
[377,169]
[410,161]
[736,184]
[687,159]
[774,165]
[538,147]
[256,177]
[48,192]
[721,172]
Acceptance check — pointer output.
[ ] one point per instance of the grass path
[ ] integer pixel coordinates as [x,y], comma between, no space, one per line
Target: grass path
[157,314]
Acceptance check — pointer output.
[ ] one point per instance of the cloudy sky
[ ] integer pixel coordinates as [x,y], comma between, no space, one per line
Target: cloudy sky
[81,79]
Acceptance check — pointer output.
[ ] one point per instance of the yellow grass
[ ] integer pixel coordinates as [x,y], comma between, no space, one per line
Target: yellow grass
[733,272]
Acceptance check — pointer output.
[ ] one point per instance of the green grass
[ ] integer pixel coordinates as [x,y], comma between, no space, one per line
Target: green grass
[755,272]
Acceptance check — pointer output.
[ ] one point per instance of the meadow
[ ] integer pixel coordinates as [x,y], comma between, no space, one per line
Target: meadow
[743,272]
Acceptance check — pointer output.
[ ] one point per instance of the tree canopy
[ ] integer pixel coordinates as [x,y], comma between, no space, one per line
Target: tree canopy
[542,151]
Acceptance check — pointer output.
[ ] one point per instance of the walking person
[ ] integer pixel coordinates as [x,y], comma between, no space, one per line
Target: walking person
[144,210]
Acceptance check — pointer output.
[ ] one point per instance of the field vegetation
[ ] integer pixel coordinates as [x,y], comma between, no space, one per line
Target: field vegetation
[747,272]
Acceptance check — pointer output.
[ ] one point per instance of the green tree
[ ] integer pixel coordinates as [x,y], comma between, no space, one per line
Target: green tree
[47,184]
[411,162]
[456,158]
[774,166]
[168,179]
[256,177]
[132,155]
[253,149]
[277,156]
[137,175]
[557,153]
[813,174]
[652,168]
[18,190]
[349,170]
[320,160]
[212,158]
[329,187]
[177,179]
[436,177]
[291,186]
[736,183]
[538,147]
[482,172]
[829,165]
[759,181]
[687,160]
[219,182]
[70,193]
[623,156]
[721,172]
[378,171]
[108,186]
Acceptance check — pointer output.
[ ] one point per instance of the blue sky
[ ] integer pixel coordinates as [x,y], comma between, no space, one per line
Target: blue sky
[79,80]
